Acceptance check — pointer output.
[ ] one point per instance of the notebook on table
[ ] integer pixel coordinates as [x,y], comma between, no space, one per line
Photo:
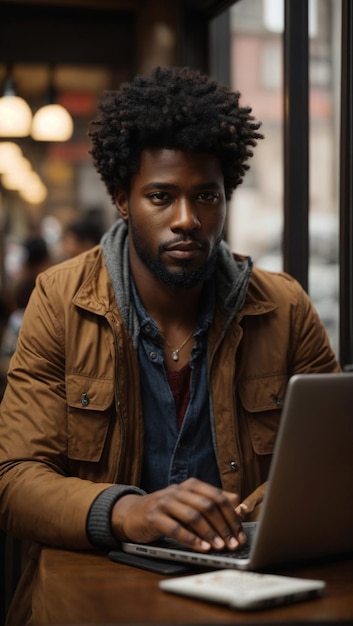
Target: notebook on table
[307,513]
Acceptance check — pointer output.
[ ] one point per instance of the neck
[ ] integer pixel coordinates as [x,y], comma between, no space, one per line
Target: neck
[170,307]
[175,311]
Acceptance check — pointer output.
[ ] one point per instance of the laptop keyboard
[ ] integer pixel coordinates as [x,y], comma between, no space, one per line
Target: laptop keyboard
[240,553]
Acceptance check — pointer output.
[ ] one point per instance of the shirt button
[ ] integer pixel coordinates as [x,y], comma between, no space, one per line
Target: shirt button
[148,328]
[234,466]
[84,399]
[153,355]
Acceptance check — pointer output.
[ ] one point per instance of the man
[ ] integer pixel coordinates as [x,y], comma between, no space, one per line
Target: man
[146,390]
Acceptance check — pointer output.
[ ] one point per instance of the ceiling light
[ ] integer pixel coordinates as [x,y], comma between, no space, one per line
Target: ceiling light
[15,114]
[27,183]
[18,179]
[52,123]
[10,155]
[34,193]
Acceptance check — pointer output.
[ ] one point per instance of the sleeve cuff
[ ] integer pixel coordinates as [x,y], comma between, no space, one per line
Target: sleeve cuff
[99,529]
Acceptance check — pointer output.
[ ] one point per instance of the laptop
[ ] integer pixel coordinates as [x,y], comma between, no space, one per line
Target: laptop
[307,512]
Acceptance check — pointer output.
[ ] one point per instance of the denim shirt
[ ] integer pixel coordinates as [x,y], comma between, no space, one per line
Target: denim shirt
[172,455]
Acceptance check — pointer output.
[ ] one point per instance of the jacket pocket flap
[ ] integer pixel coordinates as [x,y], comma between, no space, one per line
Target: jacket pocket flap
[95,394]
[263,394]
[262,400]
[90,403]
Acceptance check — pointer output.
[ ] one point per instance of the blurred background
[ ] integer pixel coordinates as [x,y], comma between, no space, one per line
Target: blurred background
[67,52]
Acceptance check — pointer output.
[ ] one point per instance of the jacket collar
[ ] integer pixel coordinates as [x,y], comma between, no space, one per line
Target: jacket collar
[96,293]
[237,285]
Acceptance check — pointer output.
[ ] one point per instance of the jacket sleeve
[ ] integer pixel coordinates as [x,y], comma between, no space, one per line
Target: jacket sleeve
[40,498]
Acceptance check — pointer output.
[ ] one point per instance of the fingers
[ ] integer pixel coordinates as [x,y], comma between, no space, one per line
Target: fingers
[196,514]
[201,516]
[241,510]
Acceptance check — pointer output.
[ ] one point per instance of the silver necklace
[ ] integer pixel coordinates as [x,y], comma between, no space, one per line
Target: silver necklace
[175,352]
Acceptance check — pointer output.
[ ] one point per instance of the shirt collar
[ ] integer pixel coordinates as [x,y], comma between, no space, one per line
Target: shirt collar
[206,309]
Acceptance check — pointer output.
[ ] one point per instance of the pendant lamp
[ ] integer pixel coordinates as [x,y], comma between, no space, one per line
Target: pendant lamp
[52,122]
[15,113]
[10,156]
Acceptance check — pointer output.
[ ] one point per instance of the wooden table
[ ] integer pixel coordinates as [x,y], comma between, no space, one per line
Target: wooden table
[88,588]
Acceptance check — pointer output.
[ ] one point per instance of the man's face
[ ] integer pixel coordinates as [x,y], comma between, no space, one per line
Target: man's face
[176,211]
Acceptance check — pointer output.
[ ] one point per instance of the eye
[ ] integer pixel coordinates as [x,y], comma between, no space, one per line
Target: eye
[159,197]
[208,197]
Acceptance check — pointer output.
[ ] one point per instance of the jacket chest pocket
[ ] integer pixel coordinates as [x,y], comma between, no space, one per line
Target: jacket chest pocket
[90,404]
[262,403]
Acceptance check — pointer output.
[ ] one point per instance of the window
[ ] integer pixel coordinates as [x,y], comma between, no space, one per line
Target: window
[256,216]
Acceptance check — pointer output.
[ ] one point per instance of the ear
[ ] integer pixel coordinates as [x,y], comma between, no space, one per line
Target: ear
[122,203]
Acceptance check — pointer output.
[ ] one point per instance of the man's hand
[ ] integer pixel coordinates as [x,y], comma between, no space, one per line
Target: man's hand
[195,513]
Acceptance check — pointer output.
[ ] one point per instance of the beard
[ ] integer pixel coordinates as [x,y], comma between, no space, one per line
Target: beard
[184,278]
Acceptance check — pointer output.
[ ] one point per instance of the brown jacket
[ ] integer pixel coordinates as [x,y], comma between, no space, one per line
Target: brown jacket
[71,420]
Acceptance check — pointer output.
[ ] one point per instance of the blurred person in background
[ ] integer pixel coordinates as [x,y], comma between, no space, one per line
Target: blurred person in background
[36,258]
[81,235]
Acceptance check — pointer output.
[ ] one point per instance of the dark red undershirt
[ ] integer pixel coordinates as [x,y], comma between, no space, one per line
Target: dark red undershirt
[179,383]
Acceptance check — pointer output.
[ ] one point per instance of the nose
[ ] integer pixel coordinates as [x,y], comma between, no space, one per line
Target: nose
[185,216]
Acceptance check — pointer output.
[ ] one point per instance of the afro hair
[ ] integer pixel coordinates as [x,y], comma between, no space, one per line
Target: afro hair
[177,109]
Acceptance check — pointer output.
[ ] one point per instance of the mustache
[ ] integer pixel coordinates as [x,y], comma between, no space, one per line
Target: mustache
[182,239]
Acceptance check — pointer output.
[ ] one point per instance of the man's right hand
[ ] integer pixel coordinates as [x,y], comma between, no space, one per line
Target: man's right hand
[194,513]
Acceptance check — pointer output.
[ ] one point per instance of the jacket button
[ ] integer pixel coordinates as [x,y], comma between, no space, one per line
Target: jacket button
[84,399]
[277,400]
[234,466]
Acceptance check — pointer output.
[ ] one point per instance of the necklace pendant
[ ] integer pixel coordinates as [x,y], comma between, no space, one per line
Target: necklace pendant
[175,355]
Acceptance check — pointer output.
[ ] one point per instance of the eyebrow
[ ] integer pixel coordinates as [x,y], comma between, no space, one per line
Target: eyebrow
[167,186]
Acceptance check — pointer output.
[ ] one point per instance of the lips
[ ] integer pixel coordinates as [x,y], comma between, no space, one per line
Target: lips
[184,246]
[184,250]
